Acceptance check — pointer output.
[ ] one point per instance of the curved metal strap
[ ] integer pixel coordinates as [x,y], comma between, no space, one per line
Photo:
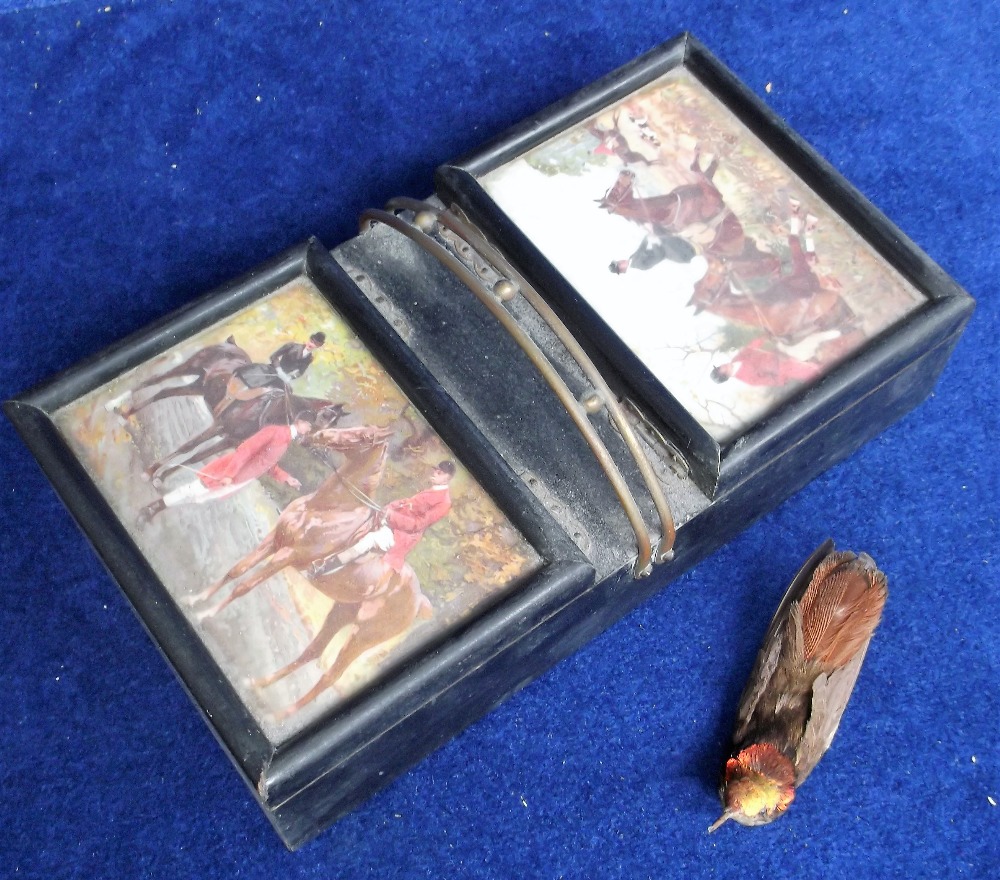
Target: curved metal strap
[576,410]
[542,364]
[617,413]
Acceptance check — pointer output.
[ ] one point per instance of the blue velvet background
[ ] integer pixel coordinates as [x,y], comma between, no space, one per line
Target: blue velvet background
[150,151]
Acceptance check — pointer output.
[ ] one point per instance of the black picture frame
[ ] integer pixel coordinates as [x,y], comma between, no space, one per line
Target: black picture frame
[718,467]
[357,747]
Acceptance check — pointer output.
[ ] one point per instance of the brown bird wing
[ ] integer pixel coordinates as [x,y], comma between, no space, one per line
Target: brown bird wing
[829,699]
[782,635]
[841,608]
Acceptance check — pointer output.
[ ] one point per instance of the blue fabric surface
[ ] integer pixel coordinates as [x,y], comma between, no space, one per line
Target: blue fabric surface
[150,151]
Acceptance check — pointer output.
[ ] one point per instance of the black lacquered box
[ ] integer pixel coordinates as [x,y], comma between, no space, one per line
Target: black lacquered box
[359,498]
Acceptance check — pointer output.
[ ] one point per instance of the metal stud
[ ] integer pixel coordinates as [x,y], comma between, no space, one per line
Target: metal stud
[505,289]
[592,402]
[425,221]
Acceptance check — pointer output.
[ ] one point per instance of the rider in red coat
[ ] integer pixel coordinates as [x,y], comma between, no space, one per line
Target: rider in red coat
[760,363]
[410,517]
[253,458]
[404,523]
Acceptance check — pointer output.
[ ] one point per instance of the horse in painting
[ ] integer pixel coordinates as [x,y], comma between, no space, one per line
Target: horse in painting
[209,374]
[373,601]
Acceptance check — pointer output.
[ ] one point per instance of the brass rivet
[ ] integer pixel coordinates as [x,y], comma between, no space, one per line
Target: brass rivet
[505,289]
[592,402]
[425,221]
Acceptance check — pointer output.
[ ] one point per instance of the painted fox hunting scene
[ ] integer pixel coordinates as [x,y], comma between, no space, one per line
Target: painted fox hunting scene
[310,523]
[734,284]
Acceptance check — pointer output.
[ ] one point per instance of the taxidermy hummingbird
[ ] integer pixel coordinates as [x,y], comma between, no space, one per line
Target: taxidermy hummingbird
[801,682]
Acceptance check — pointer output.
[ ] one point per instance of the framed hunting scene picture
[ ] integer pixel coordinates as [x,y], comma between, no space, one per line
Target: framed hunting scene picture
[299,515]
[730,279]
[294,502]
[710,255]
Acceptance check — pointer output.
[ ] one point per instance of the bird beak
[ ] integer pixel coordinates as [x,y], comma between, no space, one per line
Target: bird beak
[725,817]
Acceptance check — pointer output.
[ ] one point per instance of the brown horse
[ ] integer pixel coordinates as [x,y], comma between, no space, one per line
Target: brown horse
[376,602]
[690,219]
[209,372]
[789,307]
[695,211]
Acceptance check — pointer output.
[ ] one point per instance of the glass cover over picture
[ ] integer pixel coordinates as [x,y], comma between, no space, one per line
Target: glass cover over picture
[733,283]
[298,508]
